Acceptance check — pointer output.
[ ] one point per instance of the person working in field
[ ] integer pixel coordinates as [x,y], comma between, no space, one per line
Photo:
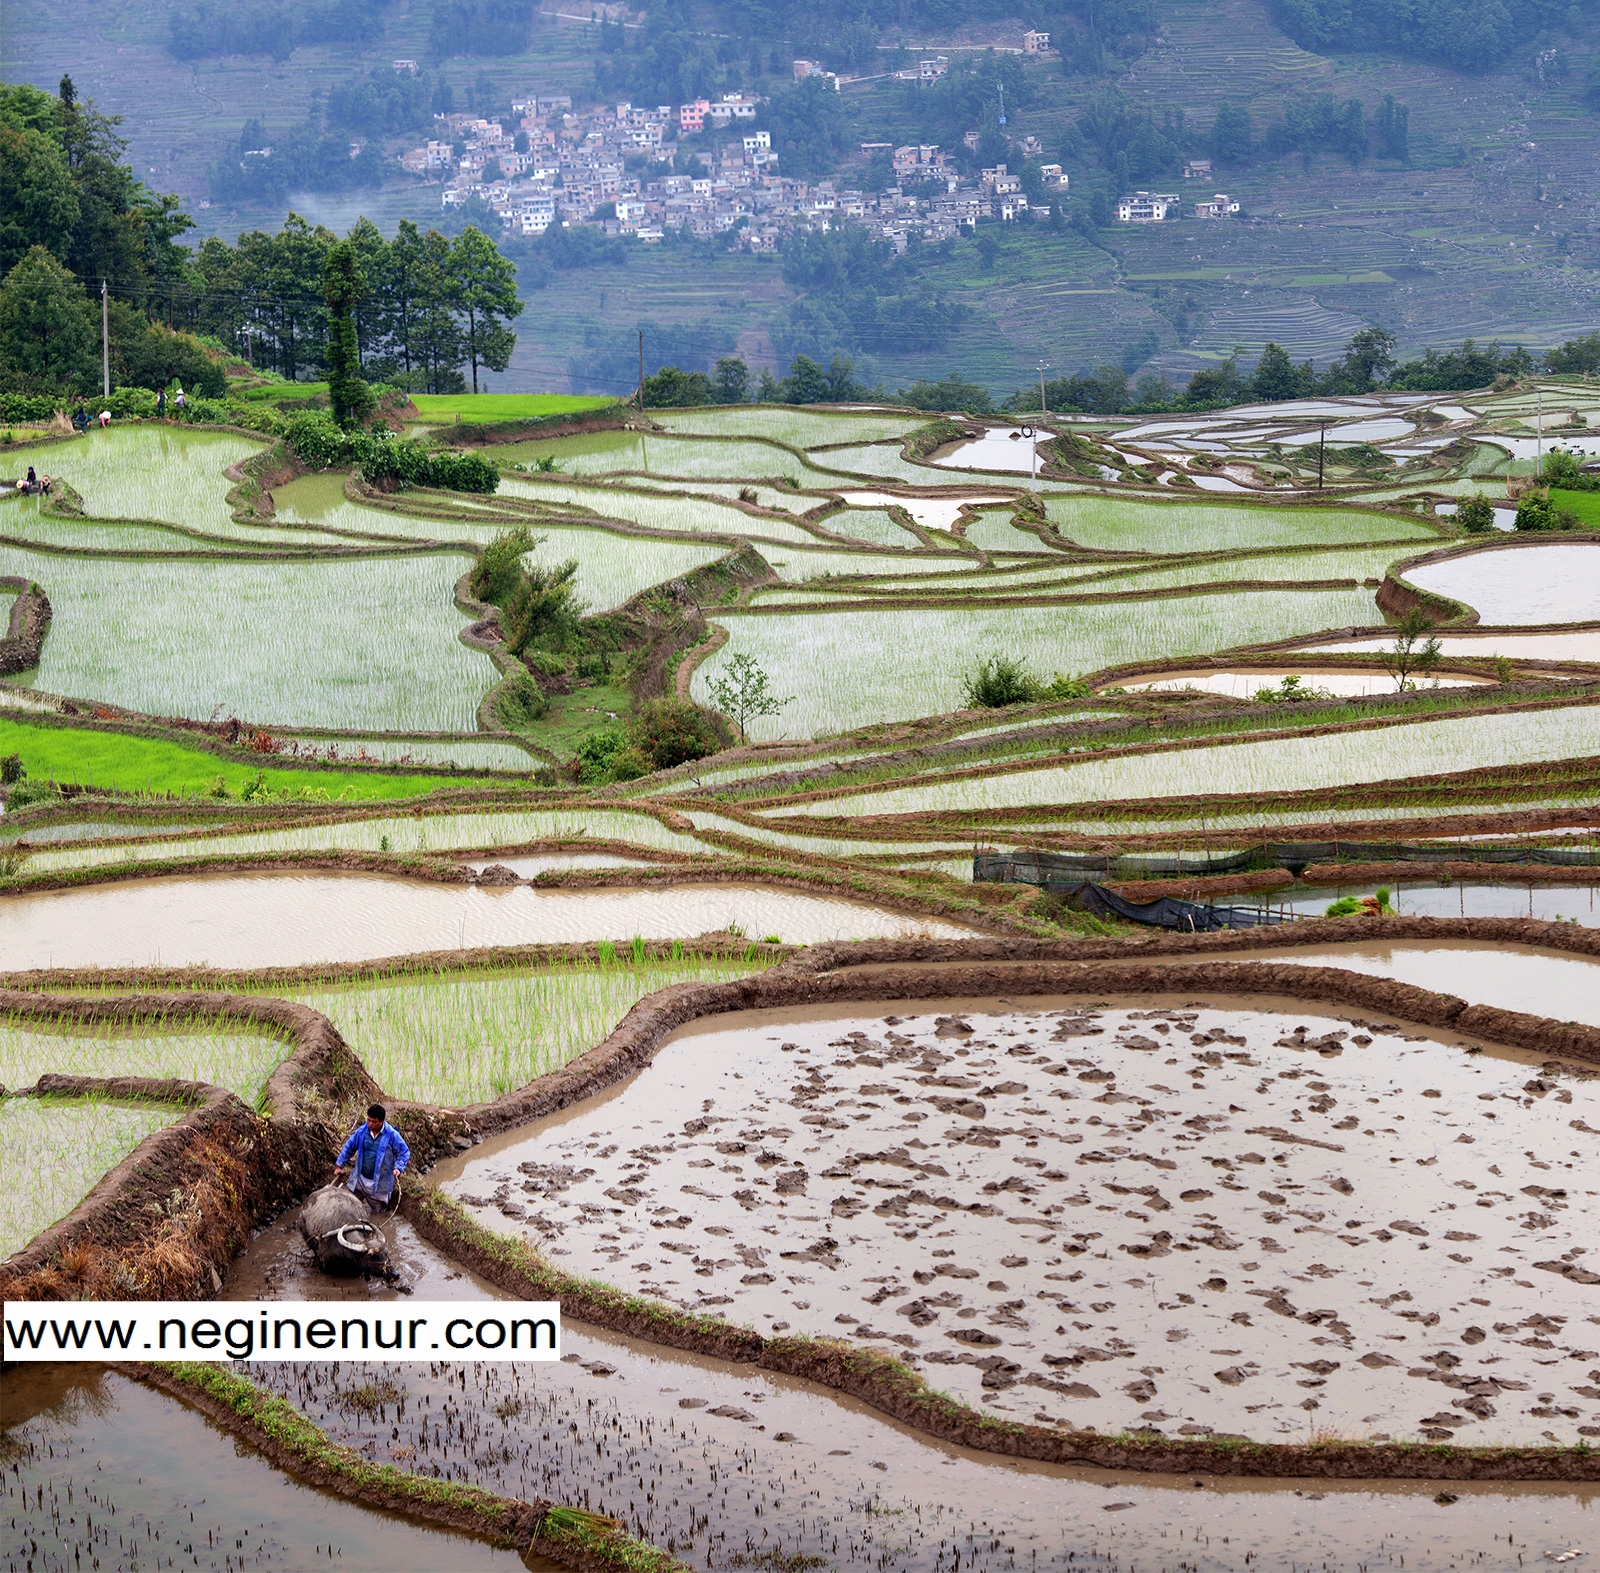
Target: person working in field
[376,1155]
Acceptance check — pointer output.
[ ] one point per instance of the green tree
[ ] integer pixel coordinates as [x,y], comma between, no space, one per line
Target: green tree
[953,393]
[995,682]
[744,693]
[483,292]
[1562,468]
[1576,355]
[48,335]
[343,286]
[732,383]
[1277,377]
[674,388]
[1393,126]
[1415,652]
[1475,514]
[670,732]
[807,383]
[1535,513]
[1232,136]
[1367,357]
[38,202]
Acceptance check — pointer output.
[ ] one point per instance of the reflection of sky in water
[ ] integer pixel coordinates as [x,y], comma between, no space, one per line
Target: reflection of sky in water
[1524,584]
[1244,684]
[1583,645]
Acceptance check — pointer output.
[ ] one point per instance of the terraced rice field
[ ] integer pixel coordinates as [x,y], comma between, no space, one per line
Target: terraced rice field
[1048,1208]
[851,669]
[1271,765]
[240,1060]
[54,1150]
[189,639]
[469,1040]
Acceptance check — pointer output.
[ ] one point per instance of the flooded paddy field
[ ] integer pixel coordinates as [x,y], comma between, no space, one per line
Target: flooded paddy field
[1544,584]
[1199,1218]
[731,1467]
[1459,899]
[103,1473]
[1512,977]
[263,920]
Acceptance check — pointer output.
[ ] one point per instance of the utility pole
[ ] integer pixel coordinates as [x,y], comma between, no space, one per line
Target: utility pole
[1538,463]
[1044,366]
[641,371]
[1322,438]
[105,339]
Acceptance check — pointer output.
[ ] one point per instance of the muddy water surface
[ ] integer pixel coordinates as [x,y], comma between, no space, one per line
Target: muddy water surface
[1548,903]
[103,1473]
[1264,1222]
[725,1464]
[263,920]
[1512,977]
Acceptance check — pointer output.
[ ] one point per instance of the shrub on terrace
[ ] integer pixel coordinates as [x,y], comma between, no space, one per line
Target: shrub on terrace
[395,463]
[1475,515]
[522,702]
[671,732]
[997,681]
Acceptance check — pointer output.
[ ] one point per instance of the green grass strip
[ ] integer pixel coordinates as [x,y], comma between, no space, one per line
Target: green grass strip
[505,406]
[141,764]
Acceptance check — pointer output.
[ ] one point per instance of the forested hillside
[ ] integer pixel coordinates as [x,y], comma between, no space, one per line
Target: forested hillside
[1422,168]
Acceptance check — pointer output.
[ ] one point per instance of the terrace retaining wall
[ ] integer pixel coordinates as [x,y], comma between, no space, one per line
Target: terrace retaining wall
[28,624]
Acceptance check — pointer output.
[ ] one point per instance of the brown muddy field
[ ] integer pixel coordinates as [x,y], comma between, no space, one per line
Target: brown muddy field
[268,920]
[1152,1215]
[738,1468]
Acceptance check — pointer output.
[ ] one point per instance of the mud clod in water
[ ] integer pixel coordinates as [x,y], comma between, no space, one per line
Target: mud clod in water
[1184,1220]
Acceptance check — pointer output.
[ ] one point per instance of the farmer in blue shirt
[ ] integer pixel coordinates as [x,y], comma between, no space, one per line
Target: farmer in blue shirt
[375,1153]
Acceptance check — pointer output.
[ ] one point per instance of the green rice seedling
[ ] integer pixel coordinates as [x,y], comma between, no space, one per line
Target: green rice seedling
[1115,524]
[146,472]
[872,525]
[53,1151]
[798,428]
[853,668]
[237,1056]
[706,515]
[614,568]
[188,638]
[462,1040]
[1386,753]
[404,833]
[803,564]
[748,491]
[1358,563]
[995,531]
[885,463]
[467,753]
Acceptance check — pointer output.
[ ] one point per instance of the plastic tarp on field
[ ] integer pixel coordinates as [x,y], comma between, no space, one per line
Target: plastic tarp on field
[1054,866]
[1043,869]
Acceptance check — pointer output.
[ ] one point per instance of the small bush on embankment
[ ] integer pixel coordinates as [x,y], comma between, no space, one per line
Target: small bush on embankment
[389,463]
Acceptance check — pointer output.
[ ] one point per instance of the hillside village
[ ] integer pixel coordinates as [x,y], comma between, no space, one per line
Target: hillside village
[617,167]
